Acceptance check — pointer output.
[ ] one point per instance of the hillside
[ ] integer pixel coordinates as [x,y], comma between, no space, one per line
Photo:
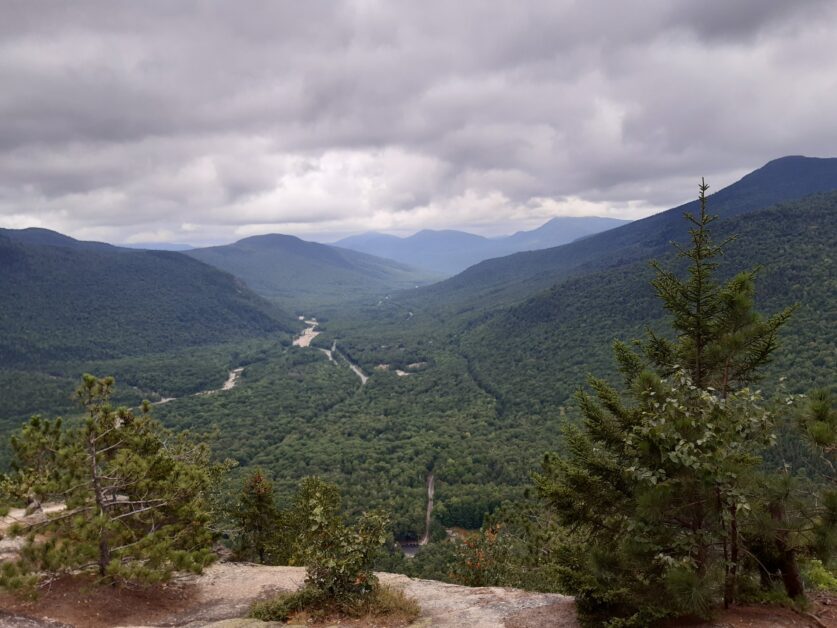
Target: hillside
[509,279]
[38,236]
[79,302]
[162,323]
[448,252]
[561,335]
[306,274]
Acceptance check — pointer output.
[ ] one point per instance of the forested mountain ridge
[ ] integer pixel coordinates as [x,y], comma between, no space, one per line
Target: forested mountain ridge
[565,332]
[37,235]
[77,301]
[448,252]
[510,279]
[305,274]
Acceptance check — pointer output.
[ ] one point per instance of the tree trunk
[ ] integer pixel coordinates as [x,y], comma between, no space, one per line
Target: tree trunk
[787,556]
[104,546]
[731,580]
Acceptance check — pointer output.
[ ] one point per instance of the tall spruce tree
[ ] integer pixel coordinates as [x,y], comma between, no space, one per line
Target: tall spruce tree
[658,477]
[257,517]
[134,495]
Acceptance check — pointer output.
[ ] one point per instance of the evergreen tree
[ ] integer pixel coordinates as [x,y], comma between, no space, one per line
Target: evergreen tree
[257,517]
[721,341]
[657,478]
[135,495]
[819,423]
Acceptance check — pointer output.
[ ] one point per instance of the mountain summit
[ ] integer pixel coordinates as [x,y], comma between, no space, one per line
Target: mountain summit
[305,274]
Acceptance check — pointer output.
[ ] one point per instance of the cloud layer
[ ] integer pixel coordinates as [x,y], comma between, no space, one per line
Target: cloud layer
[207,121]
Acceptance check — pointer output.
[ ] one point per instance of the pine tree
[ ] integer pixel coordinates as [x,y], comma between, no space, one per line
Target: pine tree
[135,495]
[722,342]
[257,517]
[657,478]
[819,423]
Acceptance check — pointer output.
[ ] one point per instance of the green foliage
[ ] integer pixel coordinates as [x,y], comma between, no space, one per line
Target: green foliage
[116,303]
[284,605]
[819,423]
[482,559]
[257,518]
[295,521]
[476,410]
[338,558]
[659,481]
[133,498]
[818,576]
[297,414]
[566,332]
[433,561]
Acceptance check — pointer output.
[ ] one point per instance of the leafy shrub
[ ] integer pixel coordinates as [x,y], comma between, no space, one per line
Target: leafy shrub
[339,558]
[818,576]
[384,601]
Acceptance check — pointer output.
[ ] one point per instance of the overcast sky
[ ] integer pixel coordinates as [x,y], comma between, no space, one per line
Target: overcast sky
[205,122]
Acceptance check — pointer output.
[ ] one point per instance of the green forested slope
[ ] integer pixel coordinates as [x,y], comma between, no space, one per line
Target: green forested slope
[541,350]
[65,303]
[509,279]
[297,414]
[307,274]
[163,323]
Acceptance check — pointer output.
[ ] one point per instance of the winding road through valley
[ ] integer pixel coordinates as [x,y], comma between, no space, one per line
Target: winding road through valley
[232,381]
[307,336]
[431,489]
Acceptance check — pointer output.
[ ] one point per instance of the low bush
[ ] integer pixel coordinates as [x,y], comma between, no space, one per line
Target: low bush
[382,602]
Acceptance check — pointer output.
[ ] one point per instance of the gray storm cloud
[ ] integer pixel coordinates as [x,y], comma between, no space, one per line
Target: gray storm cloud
[204,121]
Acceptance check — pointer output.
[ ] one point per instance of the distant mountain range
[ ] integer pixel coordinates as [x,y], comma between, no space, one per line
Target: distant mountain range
[160,246]
[303,275]
[449,252]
